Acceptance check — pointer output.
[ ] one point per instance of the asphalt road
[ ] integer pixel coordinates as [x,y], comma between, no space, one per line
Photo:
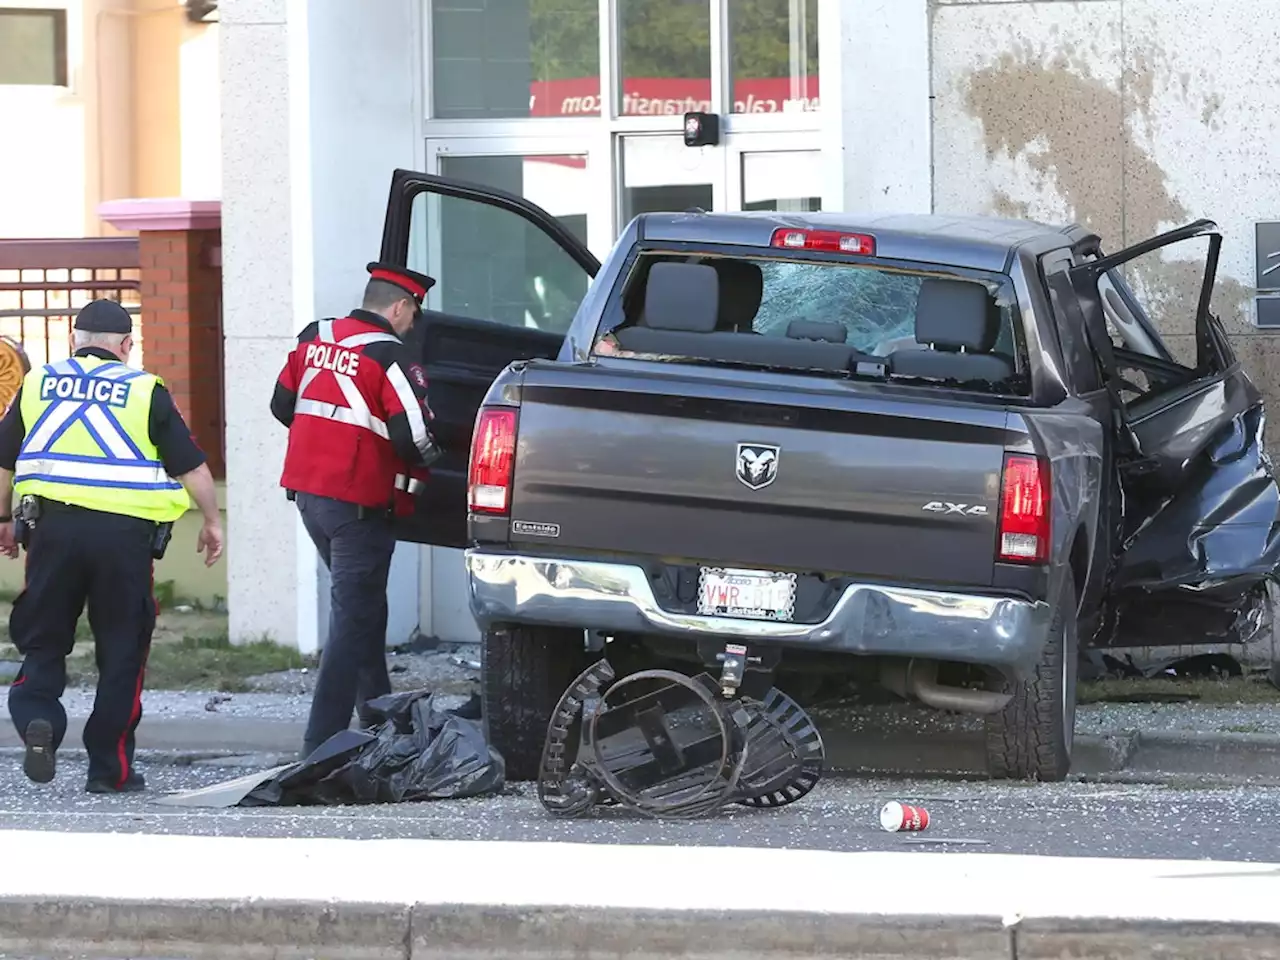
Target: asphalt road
[1066,819]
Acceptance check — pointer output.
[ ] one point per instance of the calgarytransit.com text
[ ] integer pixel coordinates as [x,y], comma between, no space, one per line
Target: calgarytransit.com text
[634,104]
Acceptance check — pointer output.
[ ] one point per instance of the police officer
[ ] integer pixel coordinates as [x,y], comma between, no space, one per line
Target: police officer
[102,464]
[354,402]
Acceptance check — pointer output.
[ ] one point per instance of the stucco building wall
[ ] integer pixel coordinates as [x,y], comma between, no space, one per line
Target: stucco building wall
[139,117]
[1130,116]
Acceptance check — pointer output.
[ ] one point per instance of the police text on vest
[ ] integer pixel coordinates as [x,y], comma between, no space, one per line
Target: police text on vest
[328,357]
[94,389]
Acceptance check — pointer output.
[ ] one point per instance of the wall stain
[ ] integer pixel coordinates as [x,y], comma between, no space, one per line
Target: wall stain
[1069,127]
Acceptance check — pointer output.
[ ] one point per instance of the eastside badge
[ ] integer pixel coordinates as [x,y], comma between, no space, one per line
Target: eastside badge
[530,529]
[757,464]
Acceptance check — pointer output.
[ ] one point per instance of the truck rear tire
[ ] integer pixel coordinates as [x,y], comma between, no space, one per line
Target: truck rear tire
[1032,737]
[523,673]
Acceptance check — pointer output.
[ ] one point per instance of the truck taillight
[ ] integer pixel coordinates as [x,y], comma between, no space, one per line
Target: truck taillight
[831,241]
[493,457]
[1024,510]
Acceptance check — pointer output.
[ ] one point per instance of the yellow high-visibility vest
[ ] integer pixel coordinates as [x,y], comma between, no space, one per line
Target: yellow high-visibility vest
[88,442]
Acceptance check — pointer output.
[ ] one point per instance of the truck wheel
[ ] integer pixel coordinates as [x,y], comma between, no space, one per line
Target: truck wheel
[523,673]
[1031,738]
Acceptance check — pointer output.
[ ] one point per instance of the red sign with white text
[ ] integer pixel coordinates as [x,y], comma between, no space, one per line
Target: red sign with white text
[671,96]
[666,96]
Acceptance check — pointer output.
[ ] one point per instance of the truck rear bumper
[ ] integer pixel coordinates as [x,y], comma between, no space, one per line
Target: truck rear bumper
[868,619]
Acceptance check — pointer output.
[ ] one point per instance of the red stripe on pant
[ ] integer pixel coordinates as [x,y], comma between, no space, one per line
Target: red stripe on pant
[21,678]
[137,694]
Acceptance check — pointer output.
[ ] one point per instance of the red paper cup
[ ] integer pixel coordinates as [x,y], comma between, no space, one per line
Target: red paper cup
[895,816]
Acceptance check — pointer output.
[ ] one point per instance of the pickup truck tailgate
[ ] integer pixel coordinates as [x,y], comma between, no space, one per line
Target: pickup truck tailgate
[685,465]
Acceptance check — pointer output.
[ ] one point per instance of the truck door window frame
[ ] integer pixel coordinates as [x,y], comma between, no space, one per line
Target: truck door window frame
[1143,349]
[462,355]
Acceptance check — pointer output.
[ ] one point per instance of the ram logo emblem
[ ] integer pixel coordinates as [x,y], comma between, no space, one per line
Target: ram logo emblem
[757,464]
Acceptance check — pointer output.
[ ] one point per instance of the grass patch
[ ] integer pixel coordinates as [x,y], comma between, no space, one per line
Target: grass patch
[191,663]
[214,663]
[1162,690]
[1243,728]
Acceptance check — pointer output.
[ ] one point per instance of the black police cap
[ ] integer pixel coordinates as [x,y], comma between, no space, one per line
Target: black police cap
[104,316]
[410,281]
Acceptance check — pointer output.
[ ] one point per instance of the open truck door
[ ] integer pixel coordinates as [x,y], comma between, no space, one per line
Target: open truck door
[1200,533]
[509,279]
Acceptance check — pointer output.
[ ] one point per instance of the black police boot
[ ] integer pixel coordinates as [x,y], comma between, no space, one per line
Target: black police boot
[133,784]
[40,763]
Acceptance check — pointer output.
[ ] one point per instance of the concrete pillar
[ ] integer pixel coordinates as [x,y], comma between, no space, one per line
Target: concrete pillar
[876,106]
[320,102]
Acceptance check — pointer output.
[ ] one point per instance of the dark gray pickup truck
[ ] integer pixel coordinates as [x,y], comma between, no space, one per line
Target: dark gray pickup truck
[946,453]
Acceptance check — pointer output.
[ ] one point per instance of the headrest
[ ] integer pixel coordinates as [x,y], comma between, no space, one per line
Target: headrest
[681,296]
[826,330]
[741,290]
[951,314]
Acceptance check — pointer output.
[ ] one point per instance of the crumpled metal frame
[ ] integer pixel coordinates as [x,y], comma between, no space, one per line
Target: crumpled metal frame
[769,752]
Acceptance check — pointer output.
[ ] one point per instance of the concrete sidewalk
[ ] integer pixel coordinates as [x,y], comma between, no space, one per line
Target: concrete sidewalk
[237,897]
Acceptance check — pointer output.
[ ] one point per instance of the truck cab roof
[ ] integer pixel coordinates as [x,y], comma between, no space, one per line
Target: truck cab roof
[978,243]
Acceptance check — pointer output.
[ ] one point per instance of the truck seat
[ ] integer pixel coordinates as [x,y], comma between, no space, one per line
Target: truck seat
[680,316]
[741,291]
[960,323]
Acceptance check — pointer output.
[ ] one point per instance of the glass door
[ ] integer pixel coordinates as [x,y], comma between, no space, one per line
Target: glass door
[658,173]
[559,174]
[747,171]
[770,171]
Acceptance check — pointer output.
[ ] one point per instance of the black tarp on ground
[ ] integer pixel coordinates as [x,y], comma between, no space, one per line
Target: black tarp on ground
[417,752]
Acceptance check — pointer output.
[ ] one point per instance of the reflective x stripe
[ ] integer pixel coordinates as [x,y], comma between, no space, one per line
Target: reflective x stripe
[121,463]
[112,439]
[408,485]
[331,411]
[105,429]
[94,472]
[412,408]
[356,412]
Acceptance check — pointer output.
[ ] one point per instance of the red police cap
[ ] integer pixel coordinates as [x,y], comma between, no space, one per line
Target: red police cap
[413,283]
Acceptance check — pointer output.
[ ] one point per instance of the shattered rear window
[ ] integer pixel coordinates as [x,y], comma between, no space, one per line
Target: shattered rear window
[818,316]
[876,307]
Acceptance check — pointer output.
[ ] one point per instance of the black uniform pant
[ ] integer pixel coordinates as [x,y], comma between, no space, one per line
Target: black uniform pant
[73,556]
[353,664]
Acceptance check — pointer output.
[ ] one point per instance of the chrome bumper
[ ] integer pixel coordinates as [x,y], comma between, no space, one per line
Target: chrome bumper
[868,619]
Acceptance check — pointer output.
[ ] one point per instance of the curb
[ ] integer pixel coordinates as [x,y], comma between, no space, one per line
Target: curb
[228,759]
[1136,756]
[213,930]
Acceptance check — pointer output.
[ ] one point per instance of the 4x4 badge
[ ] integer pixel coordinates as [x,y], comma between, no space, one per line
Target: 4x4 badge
[757,464]
[964,509]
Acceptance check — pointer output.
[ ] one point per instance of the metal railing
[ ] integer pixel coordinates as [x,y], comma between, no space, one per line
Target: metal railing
[43,283]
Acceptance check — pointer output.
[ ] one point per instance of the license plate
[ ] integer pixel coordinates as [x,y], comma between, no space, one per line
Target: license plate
[746,594]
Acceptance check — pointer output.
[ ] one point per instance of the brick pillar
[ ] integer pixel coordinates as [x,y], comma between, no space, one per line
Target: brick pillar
[180,259]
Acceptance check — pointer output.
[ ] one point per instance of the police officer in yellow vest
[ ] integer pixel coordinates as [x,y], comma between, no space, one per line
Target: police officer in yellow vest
[101,464]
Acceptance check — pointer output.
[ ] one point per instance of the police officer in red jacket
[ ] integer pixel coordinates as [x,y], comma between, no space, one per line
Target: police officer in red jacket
[354,401]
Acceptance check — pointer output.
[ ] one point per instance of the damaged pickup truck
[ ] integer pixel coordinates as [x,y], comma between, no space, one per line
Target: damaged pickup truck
[945,453]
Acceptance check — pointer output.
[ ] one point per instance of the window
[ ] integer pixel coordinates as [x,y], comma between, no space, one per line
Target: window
[491,264]
[515,58]
[1150,303]
[33,47]
[774,46]
[821,317]
[664,57]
